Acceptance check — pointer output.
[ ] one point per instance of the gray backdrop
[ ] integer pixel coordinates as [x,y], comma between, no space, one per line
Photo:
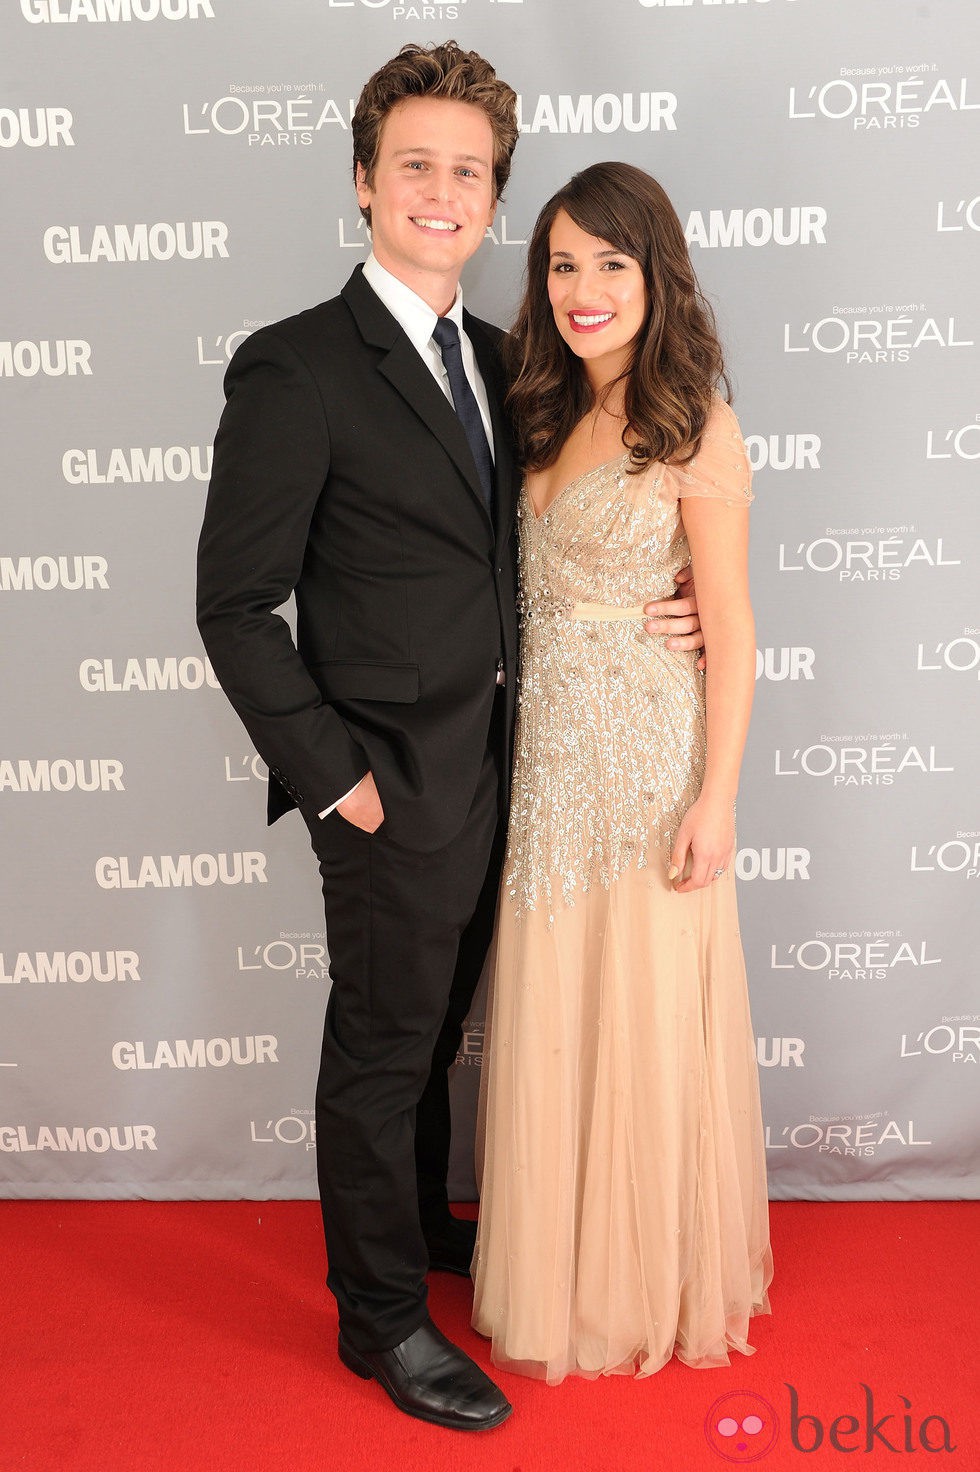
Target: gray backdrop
[176,173]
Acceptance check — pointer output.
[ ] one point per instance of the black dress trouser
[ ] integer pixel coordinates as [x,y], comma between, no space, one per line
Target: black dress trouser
[407,935]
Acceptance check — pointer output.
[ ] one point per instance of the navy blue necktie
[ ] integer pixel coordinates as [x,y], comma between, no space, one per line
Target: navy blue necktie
[446,335]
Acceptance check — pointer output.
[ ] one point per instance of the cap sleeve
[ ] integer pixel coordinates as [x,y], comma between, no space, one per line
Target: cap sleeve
[720,471]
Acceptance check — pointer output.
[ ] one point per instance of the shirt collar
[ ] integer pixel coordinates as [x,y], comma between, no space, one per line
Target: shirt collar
[413,315]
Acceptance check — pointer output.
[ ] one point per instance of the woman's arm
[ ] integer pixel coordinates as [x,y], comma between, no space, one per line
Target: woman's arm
[718,534]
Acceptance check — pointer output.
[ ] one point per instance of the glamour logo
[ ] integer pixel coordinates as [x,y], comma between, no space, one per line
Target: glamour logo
[959,855]
[170,673]
[772,863]
[180,871]
[41,967]
[54,357]
[271,121]
[36,127]
[963,215]
[860,765]
[779,1052]
[63,774]
[298,1128]
[871,340]
[21,1139]
[785,663]
[52,12]
[964,442]
[830,1138]
[880,105]
[188,240]
[609,112]
[797,224]
[246,768]
[196,1052]
[307,960]
[154,466]
[959,1042]
[867,959]
[961,655]
[784,451]
[81,572]
[864,560]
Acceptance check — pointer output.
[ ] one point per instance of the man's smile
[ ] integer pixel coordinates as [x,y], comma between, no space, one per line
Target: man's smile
[426,223]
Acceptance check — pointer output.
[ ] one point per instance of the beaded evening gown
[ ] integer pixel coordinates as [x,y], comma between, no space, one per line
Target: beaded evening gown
[623,1215]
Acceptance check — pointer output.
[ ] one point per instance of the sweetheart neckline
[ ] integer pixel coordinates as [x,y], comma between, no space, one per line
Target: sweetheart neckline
[603,465]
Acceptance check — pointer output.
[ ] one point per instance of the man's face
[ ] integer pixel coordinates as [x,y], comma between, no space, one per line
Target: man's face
[431,198]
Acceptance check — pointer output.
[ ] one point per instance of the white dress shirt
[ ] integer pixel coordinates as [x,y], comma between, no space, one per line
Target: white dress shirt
[417,320]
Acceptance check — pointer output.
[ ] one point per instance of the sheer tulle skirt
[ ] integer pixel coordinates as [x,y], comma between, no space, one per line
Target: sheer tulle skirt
[624,1213]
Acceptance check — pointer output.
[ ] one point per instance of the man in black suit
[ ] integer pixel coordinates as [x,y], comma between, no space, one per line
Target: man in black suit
[364,464]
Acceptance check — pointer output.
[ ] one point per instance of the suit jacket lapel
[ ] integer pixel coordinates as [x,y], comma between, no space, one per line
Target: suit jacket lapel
[405,371]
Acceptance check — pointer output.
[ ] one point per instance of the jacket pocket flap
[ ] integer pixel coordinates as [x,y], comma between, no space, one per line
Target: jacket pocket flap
[343,679]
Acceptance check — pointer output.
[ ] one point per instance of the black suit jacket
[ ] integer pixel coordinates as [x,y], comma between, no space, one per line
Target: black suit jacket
[342,473]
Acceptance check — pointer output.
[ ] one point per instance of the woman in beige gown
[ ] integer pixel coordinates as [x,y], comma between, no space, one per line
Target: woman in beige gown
[624,1211]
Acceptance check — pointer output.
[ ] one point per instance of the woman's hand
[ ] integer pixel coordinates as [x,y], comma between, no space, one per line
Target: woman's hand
[706,837]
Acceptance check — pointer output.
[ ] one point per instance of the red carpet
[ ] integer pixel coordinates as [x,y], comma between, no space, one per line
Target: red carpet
[198,1336]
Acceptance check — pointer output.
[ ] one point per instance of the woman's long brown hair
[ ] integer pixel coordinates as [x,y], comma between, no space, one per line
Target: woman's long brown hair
[677,363]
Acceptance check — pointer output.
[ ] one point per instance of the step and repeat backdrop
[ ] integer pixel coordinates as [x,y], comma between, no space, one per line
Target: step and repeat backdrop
[176,173]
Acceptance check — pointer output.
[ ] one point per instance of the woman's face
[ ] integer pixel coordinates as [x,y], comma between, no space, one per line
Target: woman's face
[598,297]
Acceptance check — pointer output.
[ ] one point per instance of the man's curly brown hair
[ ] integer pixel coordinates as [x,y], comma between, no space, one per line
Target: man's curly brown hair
[437,71]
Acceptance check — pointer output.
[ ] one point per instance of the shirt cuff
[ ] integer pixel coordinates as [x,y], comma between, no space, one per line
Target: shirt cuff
[327,811]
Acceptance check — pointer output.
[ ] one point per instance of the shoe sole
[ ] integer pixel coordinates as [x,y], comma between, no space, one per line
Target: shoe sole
[363,1370]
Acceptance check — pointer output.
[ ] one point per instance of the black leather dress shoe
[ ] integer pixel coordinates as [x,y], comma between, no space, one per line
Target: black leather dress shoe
[430,1378]
[451,1246]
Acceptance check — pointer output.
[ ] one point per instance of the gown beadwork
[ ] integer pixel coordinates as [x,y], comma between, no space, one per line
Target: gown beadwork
[624,1213]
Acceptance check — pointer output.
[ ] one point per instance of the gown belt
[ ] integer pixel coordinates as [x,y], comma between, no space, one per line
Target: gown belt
[603,613]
